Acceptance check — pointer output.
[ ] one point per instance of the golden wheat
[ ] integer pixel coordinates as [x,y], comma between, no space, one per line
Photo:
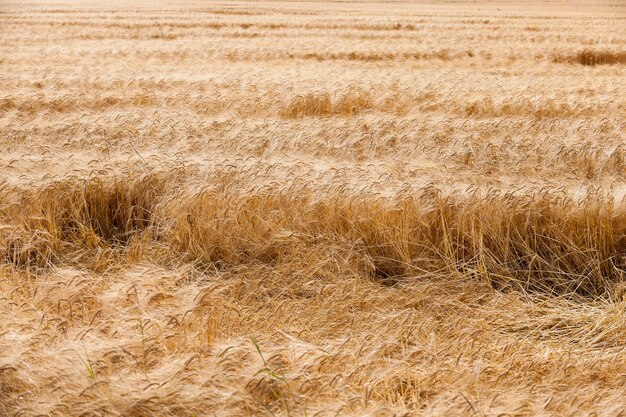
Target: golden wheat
[284,208]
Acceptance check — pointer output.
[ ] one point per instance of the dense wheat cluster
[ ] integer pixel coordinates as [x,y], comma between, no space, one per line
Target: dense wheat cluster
[313,209]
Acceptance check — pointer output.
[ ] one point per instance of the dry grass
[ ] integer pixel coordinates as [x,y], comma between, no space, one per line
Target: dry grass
[312,209]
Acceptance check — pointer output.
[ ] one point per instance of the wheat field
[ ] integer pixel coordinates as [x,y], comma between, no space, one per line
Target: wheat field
[313,208]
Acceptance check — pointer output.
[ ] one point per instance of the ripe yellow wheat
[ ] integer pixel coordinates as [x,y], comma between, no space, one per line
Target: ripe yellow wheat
[282,208]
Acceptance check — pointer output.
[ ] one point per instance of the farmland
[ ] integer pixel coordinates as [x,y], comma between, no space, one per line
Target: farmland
[312,208]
